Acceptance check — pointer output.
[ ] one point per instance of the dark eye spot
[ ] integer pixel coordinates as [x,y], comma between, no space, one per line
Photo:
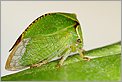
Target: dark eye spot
[78,40]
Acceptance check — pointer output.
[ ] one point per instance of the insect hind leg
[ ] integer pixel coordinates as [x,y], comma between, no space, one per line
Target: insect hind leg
[39,64]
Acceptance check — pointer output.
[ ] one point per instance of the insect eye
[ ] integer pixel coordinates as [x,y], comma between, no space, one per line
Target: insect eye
[78,40]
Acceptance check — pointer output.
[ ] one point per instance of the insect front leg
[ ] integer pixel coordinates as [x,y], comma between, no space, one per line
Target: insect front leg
[81,52]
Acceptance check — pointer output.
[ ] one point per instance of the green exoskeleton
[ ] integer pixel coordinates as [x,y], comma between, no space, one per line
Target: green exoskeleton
[53,35]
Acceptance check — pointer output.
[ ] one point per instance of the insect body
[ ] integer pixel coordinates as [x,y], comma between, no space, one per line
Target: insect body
[49,36]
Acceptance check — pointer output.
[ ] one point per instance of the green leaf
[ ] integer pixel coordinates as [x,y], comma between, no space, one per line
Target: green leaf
[104,65]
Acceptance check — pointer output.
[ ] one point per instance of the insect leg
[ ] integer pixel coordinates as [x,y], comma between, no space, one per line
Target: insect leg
[39,64]
[81,52]
[64,57]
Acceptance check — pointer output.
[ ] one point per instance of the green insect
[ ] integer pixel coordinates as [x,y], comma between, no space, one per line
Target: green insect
[53,35]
